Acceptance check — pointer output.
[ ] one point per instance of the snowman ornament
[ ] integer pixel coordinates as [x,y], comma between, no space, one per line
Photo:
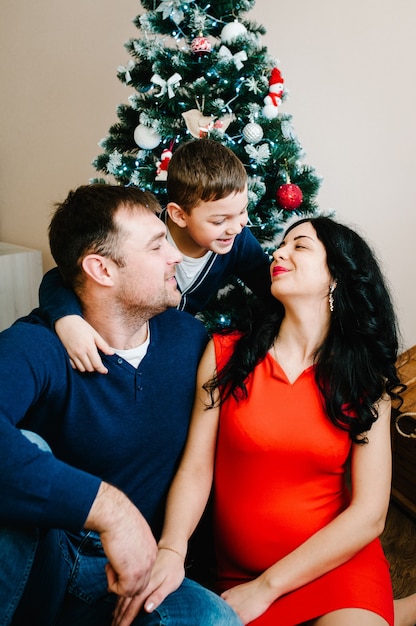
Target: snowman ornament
[163,164]
[274,97]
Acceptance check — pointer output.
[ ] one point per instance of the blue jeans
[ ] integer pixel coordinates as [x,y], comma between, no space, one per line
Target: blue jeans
[67,586]
[190,605]
[56,578]
[17,554]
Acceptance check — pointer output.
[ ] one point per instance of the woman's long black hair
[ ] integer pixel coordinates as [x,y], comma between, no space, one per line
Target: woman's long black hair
[356,364]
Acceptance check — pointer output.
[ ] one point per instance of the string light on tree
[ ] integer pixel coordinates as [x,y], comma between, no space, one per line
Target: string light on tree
[199,69]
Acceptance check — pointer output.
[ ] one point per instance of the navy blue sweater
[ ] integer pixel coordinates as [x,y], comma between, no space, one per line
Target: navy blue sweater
[246,260]
[127,427]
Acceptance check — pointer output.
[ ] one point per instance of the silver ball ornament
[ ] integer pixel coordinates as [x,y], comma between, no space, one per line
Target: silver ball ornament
[252,132]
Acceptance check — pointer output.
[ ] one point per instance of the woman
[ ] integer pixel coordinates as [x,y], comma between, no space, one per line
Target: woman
[300,396]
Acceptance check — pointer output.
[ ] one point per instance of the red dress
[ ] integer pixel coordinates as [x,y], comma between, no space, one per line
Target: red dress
[279,477]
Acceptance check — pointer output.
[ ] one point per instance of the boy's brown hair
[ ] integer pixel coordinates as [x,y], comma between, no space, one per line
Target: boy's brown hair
[205,170]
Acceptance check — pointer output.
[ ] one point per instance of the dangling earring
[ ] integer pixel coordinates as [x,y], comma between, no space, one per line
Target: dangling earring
[331,296]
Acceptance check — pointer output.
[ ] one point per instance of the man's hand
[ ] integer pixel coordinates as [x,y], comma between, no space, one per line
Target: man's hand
[167,575]
[127,541]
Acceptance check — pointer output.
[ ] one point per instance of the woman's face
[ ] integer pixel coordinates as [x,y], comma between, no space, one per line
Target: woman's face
[299,268]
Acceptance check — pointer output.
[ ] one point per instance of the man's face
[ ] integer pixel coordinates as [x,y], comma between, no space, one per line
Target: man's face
[146,282]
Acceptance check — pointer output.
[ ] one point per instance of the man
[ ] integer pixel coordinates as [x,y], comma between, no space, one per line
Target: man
[85,516]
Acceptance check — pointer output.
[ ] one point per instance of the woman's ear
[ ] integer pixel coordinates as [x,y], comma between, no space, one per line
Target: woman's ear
[97,268]
[177,214]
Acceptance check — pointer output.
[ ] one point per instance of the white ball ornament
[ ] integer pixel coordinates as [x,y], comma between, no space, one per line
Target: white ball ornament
[253,133]
[146,137]
[231,31]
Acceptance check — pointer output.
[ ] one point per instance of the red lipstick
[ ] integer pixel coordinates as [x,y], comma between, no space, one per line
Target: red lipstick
[278,269]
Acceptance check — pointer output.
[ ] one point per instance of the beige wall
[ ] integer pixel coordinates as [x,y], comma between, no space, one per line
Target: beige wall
[349,68]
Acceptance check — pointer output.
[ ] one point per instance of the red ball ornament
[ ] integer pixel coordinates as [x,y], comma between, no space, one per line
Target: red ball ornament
[200,46]
[289,196]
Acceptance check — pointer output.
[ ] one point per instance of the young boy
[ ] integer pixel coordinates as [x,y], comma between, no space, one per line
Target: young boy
[206,219]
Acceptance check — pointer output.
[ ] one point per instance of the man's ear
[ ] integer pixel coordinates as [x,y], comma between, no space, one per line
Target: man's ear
[177,214]
[97,268]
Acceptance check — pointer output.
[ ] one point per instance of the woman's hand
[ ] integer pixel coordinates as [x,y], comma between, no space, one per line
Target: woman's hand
[167,575]
[250,600]
[82,342]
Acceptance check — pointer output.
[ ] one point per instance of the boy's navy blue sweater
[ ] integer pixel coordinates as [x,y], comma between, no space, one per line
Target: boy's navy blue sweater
[127,427]
[246,261]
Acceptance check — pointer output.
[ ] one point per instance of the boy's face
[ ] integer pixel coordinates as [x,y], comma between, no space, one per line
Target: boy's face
[214,225]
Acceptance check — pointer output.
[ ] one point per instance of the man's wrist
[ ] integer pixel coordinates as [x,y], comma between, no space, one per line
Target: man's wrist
[109,504]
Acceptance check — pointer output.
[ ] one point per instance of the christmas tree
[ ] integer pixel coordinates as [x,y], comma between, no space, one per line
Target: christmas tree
[198,69]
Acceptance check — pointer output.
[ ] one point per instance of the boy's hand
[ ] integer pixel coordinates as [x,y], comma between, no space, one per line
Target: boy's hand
[82,343]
